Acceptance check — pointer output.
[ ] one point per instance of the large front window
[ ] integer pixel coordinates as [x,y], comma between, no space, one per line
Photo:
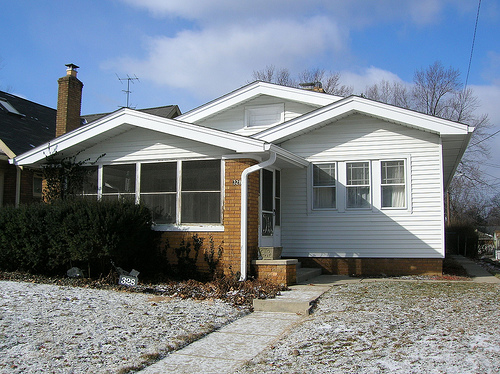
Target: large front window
[159,190]
[201,190]
[184,192]
[118,181]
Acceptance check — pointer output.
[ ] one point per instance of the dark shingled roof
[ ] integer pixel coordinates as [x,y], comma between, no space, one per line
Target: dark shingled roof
[34,125]
[167,111]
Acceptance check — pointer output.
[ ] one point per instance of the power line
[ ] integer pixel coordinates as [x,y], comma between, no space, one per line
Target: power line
[488,137]
[473,42]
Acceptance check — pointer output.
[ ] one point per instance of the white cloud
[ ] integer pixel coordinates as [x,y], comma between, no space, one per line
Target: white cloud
[353,12]
[367,77]
[216,60]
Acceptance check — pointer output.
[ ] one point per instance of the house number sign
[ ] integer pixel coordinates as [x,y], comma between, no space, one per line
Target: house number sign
[128,280]
[236,182]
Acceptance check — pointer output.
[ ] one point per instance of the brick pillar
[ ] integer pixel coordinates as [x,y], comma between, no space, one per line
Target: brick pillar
[232,218]
[69,101]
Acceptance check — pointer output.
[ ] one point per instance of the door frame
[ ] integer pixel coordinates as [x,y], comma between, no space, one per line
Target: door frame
[270,216]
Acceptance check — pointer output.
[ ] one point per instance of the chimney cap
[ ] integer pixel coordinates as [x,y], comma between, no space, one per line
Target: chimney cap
[71,70]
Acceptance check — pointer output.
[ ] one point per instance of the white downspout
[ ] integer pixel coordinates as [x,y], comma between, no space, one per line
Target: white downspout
[18,187]
[244,210]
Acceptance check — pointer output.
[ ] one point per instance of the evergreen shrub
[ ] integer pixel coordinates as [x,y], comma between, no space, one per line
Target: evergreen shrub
[50,238]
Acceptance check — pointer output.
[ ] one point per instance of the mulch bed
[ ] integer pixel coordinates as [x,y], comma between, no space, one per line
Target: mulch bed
[228,289]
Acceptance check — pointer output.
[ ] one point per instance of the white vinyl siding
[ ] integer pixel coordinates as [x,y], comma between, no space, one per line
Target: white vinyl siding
[233,119]
[413,232]
[146,145]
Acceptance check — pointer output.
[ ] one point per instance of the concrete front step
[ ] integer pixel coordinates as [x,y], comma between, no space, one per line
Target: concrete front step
[299,300]
[304,274]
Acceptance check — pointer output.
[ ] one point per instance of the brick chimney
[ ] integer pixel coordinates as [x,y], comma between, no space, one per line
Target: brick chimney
[69,101]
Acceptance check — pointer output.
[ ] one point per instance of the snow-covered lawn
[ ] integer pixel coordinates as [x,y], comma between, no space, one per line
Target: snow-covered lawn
[372,327]
[53,329]
[394,327]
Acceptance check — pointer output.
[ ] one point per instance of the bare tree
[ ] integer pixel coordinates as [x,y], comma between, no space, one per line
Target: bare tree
[438,91]
[272,75]
[435,89]
[330,82]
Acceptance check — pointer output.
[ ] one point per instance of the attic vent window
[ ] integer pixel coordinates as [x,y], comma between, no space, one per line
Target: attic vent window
[8,107]
[264,115]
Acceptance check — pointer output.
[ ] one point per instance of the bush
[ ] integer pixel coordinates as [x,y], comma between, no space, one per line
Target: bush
[50,238]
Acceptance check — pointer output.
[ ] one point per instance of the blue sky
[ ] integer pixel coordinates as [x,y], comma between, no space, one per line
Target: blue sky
[191,51]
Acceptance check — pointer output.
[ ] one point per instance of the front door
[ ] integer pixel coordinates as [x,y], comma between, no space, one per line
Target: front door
[270,208]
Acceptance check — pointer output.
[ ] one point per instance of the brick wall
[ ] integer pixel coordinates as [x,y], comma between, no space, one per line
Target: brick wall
[279,271]
[10,181]
[375,266]
[230,262]
[69,101]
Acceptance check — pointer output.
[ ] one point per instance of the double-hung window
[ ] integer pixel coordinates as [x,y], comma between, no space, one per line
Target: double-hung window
[324,186]
[358,185]
[393,184]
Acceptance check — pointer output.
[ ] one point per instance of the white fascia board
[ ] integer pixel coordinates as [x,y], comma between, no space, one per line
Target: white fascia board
[253,90]
[128,117]
[70,139]
[288,156]
[354,104]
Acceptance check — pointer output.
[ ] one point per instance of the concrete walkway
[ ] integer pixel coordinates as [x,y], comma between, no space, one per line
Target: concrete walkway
[475,271]
[227,349]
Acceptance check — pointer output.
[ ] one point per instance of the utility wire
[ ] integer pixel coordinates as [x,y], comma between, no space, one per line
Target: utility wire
[473,42]
[488,137]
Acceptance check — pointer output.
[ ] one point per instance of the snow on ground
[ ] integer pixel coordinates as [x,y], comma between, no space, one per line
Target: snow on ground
[49,328]
[393,327]
[367,327]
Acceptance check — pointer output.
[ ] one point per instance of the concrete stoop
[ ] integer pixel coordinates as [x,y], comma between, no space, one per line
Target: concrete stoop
[304,274]
[299,300]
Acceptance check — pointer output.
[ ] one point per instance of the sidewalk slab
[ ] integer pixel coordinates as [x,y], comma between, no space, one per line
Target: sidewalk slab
[475,271]
[227,349]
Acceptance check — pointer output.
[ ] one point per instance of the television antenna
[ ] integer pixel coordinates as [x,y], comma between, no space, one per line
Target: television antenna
[129,80]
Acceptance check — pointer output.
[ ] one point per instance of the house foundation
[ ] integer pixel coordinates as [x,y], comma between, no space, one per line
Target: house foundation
[375,266]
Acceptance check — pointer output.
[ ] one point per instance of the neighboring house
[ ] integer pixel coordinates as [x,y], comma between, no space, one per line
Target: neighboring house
[23,126]
[350,185]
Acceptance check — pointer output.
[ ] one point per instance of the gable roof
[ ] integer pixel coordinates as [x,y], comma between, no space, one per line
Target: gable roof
[355,104]
[126,119]
[454,136]
[253,90]
[32,125]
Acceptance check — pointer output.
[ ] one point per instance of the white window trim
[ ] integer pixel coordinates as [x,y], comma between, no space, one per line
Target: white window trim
[311,183]
[375,187]
[279,108]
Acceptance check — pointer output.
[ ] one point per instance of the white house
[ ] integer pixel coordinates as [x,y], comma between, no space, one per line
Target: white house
[350,185]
